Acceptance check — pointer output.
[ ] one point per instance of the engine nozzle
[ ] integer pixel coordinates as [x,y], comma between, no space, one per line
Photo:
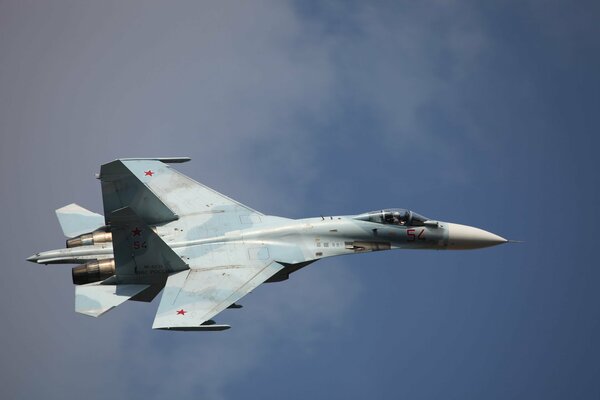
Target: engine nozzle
[93,271]
[88,239]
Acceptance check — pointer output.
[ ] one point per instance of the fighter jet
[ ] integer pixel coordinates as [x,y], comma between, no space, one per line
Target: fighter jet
[162,230]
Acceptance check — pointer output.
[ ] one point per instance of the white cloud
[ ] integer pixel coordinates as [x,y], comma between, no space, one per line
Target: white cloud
[226,85]
[237,87]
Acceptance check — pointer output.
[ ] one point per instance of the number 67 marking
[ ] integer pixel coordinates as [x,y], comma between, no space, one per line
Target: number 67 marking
[411,236]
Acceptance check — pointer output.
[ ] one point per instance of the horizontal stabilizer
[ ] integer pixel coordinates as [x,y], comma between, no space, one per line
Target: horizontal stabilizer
[95,299]
[76,220]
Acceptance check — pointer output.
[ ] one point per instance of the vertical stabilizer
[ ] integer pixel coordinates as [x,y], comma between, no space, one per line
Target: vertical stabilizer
[125,184]
[138,249]
[76,220]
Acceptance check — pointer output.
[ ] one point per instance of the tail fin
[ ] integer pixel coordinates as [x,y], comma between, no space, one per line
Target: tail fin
[138,249]
[76,220]
[122,186]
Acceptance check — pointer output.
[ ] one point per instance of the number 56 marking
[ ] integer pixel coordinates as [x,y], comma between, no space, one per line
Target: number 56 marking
[412,236]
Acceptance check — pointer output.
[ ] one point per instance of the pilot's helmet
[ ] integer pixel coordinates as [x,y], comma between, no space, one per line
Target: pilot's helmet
[402,216]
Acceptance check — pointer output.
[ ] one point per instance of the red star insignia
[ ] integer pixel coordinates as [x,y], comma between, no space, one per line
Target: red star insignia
[136,232]
[149,172]
[181,312]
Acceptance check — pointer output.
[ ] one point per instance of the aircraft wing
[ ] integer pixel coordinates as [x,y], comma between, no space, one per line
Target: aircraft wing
[159,194]
[215,280]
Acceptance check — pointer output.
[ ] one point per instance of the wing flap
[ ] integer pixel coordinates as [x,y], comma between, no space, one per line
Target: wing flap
[96,299]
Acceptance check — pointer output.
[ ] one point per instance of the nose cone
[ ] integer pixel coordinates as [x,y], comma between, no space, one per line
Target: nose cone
[463,237]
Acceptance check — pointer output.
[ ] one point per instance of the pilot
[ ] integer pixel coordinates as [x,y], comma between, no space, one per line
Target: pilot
[404,217]
[397,219]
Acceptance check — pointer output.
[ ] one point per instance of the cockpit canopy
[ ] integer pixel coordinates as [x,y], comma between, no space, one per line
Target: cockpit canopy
[394,216]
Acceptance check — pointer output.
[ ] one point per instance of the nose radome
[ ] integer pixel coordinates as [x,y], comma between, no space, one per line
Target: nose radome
[463,237]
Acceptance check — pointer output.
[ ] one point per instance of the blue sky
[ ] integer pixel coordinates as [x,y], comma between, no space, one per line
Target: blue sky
[483,114]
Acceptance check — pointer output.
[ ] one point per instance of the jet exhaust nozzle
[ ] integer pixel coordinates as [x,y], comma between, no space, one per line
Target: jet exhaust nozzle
[88,239]
[93,271]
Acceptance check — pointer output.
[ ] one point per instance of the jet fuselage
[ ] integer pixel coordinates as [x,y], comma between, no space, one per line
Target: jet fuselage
[318,238]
